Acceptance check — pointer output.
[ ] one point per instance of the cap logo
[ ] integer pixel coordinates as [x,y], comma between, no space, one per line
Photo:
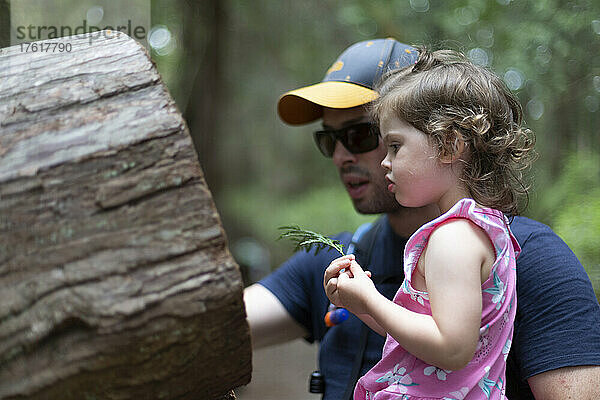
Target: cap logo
[338,65]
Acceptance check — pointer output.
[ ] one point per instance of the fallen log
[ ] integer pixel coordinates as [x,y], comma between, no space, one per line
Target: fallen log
[115,277]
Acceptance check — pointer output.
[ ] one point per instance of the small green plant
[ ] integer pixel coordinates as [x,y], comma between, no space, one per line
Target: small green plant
[306,240]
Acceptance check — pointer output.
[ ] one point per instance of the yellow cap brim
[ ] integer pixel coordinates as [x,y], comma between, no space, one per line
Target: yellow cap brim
[306,104]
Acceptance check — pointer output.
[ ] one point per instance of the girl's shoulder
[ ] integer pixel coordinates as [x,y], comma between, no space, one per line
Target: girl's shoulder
[470,213]
[465,224]
[459,232]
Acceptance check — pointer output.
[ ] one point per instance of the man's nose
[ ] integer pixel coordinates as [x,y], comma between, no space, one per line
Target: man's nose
[341,155]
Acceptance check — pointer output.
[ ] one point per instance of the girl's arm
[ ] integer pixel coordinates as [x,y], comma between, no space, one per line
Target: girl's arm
[454,257]
[371,323]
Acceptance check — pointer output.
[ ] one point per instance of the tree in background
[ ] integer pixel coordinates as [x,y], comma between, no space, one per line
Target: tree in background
[265,174]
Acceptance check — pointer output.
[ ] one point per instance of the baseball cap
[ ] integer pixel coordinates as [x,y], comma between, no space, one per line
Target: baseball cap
[349,82]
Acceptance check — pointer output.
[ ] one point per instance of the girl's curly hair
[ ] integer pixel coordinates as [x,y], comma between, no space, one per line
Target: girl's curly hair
[452,100]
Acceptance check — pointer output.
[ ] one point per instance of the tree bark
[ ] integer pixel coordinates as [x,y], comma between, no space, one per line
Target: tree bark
[115,277]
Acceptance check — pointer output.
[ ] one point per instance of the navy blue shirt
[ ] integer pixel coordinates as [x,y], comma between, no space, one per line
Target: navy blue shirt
[557,323]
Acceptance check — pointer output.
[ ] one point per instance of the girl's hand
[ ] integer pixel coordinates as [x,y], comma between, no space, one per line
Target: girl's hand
[332,274]
[356,289]
[350,288]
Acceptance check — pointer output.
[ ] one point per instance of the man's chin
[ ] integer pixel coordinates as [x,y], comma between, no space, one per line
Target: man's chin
[372,207]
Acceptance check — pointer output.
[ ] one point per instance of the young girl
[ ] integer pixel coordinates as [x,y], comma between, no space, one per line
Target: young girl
[454,138]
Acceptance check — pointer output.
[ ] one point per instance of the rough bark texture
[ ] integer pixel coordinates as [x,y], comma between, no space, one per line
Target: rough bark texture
[115,277]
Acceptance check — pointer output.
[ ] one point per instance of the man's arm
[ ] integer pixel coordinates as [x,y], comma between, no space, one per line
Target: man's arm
[577,383]
[556,340]
[269,321]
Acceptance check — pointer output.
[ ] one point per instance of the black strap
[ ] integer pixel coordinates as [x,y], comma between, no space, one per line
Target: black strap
[363,251]
[356,366]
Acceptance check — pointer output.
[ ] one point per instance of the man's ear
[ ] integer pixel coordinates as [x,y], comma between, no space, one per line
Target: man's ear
[453,152]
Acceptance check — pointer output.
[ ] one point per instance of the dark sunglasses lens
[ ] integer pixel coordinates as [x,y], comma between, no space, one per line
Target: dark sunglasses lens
[325,142]
[361,138]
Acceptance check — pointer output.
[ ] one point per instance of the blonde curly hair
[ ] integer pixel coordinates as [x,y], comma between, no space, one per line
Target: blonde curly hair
[452,100]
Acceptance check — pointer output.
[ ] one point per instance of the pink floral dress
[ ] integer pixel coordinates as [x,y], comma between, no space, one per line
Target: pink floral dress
[400,375]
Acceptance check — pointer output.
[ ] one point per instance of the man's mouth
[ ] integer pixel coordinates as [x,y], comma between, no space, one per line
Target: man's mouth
[356,186]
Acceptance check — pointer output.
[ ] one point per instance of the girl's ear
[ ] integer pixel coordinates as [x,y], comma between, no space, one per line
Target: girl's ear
[453,152]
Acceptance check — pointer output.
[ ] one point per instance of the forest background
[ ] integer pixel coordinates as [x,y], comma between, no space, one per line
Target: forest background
[226,62]
[230,60]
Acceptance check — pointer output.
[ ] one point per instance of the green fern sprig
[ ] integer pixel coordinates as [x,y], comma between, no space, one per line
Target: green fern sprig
[306,239]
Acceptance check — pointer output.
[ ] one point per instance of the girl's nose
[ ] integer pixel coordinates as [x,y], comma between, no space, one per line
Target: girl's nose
[386,164]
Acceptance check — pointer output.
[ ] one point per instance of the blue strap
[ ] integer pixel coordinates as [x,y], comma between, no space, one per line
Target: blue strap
[334,315]
[356,237]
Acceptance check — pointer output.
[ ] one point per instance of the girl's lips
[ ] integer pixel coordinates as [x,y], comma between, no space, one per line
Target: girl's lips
[391,184]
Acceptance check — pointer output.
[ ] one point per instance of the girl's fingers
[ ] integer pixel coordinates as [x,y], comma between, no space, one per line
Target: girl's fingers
[337,265]
[356,269]
[331,286]
[343,277]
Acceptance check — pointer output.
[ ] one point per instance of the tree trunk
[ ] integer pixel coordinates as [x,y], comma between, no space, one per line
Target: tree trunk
[202,111]
[115,277]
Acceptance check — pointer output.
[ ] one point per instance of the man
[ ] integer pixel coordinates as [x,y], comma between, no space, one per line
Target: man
[555,351]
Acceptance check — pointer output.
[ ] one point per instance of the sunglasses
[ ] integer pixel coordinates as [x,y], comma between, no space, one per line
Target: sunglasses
[358,138]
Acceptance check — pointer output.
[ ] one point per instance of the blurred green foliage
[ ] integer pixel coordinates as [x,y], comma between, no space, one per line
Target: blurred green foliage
[574,203]
[311,210]
[269,174]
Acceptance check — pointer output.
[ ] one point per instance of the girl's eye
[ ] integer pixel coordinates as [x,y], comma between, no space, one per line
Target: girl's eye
[394,147]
